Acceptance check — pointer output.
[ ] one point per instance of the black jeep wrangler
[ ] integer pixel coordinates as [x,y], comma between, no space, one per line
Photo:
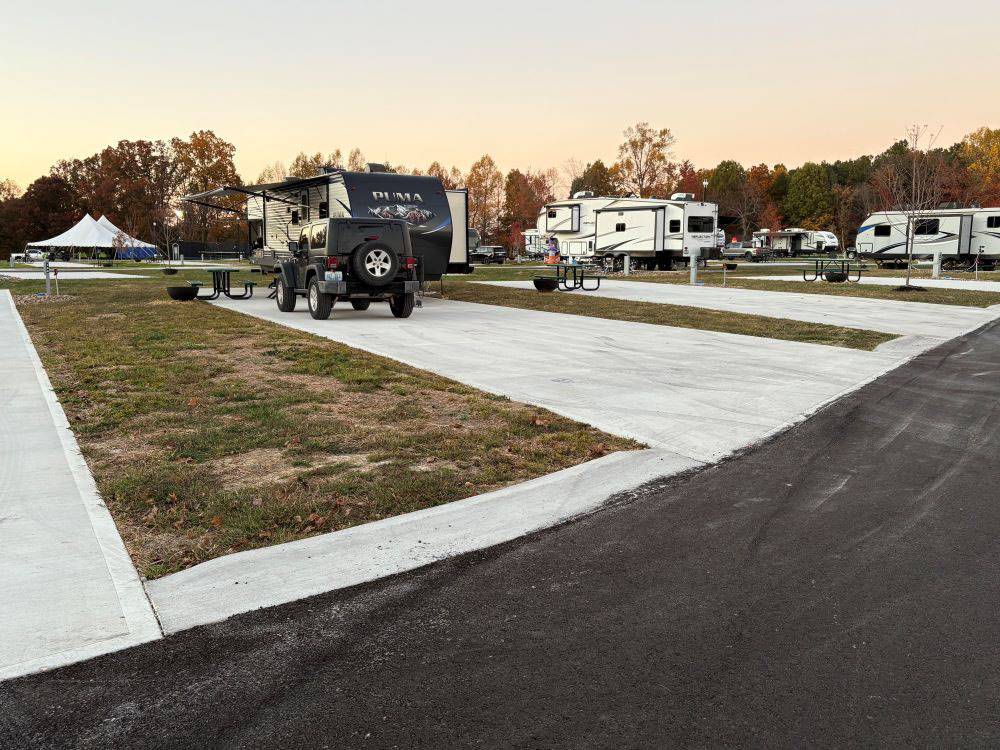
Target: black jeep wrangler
[356,260]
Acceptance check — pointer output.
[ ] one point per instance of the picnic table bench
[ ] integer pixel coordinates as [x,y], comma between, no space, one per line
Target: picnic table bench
[221,285]
[569,277]
[843,267]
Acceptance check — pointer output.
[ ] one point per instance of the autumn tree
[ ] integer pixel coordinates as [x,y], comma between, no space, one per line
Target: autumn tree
[644,167]
[980,151]
[47,208]
[8,189]
[205,161]
[596,178]
[524,195]
[356,161]
[689,180]
[275,172]
[451,179]
[485,184]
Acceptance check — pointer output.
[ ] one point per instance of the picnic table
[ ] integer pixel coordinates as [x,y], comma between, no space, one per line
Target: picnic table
[844,266]
[568,277]
[221,285]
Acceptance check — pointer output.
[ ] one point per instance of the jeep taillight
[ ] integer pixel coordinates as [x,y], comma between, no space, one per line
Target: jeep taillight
[409,262]
[332,263]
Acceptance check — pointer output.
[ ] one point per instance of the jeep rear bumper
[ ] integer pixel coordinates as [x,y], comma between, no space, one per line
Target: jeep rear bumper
[352,289]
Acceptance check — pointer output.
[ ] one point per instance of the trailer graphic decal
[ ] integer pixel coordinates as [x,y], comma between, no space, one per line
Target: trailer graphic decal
[410,213]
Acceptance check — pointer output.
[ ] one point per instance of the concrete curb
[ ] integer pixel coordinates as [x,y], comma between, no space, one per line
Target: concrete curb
[140,621]
[269,576]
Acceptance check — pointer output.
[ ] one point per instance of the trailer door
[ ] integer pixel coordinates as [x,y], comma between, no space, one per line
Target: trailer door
[458,204]
[660,230]
[965,235]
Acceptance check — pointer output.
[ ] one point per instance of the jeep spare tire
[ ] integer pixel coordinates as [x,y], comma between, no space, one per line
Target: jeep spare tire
[375,263]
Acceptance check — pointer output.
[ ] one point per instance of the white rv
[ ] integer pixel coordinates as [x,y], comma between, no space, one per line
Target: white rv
[959,234]
[656,233]
[570,223]
[795,241]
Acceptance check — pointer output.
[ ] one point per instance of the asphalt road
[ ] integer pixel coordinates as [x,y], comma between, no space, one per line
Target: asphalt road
[837,586]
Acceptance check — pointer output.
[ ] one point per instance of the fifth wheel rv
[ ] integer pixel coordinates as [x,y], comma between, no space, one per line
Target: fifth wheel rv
[656,233]
[963,236]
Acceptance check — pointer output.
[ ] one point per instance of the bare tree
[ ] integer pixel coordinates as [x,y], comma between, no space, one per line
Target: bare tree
[747,203]
[912,185]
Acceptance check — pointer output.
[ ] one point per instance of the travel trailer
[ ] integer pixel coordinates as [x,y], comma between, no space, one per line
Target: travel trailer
[656,233]
[437,218]
[794,241]
[961,235]
[570,223]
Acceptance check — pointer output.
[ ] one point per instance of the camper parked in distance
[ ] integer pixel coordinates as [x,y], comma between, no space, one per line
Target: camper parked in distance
[571,224]
[652,232]
[795,241]
[963,236]
[656,233]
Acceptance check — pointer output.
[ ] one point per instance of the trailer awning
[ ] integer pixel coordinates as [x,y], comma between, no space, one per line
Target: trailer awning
[265,191]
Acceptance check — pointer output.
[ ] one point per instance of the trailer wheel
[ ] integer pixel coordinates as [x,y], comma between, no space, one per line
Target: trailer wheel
[402,304]
[375,263]
[320,304]
[361,304]
[852,254]
[284,296]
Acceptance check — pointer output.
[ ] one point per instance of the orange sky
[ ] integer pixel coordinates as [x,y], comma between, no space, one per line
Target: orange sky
[532,84]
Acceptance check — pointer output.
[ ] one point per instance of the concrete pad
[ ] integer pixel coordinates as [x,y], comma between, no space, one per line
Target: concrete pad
[693,395]
[970,284]
[700,394]
[66,275]
[68,589]
[245,581]
[933,323]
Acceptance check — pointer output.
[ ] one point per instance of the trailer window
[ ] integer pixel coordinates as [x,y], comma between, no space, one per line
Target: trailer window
[675,225]
[552,214]
[993,222]
[319,237]
[926,226]
[883,230]
[620,226]
[701,224]
[304,200]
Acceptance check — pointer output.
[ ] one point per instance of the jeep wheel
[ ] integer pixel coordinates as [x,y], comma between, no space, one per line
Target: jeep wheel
[284,296]
[402,305]
[361,304]
[320,305]
[375,263]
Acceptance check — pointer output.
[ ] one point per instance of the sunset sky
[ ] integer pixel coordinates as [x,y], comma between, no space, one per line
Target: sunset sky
[531,83]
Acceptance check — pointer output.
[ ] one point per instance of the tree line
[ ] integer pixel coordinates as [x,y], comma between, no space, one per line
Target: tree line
[137,185]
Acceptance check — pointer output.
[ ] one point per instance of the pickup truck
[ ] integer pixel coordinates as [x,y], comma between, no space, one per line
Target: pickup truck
[359,261]
[745,251]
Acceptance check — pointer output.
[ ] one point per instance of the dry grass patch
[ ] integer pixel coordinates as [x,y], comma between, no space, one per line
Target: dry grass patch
[211,432]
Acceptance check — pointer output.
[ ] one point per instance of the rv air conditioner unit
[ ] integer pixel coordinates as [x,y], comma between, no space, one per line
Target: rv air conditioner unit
[376,167]
[584,194]
[682,197]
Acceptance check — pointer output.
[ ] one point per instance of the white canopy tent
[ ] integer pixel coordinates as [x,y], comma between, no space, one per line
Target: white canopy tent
[92,234]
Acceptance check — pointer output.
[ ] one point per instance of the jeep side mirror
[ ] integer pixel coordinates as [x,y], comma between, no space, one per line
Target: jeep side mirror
[293,247]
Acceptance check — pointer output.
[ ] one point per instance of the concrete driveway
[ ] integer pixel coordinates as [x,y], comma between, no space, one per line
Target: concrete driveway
[699,394]
[933,323]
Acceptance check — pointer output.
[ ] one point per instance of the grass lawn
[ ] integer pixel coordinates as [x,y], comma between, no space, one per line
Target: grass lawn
[743,279]
[211,432]
[680,316]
